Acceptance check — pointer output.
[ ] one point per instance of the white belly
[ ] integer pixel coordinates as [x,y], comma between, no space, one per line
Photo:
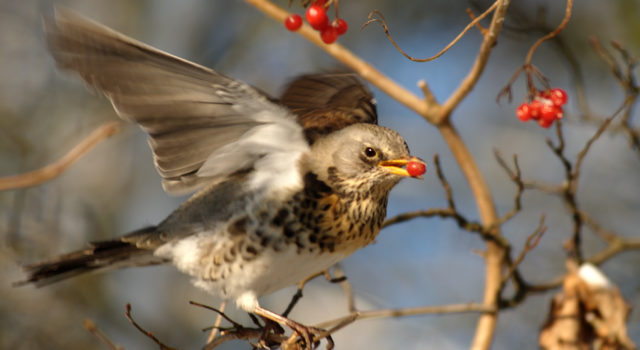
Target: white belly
[245,281]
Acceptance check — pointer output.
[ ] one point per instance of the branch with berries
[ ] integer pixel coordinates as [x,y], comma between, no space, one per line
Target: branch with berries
[316,16]
[541,105]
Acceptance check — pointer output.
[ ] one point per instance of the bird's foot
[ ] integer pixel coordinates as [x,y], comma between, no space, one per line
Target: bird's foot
[309,336]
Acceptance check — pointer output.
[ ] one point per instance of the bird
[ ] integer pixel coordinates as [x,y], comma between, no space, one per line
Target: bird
[281,187]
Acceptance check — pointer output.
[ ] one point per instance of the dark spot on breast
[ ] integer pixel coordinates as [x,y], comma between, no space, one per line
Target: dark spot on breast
[289,232]
[314,187]
[252,250]
[280,217]
[238,227]
[331,246]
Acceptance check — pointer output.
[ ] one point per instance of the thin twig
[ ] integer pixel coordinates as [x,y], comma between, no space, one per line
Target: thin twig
[479,26]
[529,69]
[145,332]
[99,334]
[412,311]
[516,177]
[298,295]
[530,244]
[559,28]
[219,312]
[383,23]
[606,235]
[467,84]
[50,171]
[216,324]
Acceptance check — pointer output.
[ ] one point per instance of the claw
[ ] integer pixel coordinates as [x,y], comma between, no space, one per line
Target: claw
[310,335]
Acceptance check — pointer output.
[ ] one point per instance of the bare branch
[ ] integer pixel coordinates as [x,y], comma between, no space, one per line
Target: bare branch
[51,171]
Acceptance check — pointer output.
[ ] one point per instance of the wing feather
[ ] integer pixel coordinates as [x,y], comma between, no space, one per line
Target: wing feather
[326,103]
[203,126]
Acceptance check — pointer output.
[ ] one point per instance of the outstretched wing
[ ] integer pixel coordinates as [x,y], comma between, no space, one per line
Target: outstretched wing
[202,125]
[328,102]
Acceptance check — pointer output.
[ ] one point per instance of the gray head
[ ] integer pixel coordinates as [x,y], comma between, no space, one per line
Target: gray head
[362,158]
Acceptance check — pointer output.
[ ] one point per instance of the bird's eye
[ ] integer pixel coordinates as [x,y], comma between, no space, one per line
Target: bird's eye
[370,152]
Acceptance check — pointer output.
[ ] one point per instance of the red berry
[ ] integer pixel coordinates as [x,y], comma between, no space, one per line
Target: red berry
[329,34]
[342,25]
[545,123]
[558,96]
[293,22]
[544,94]
[317,17]
[535,109]
[524,112]
[549,111]
[416,168]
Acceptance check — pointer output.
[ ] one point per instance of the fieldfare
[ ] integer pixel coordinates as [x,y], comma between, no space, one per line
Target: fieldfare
[284,188]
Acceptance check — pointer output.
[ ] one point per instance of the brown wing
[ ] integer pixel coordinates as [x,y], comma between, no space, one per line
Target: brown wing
[328,102]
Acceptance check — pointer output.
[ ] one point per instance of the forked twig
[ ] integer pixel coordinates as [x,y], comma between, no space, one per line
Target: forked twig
[531,242]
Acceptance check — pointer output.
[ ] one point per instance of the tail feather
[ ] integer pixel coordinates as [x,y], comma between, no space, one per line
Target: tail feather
[99,256]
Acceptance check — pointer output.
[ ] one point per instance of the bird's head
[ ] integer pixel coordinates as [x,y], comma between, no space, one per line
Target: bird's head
[364,158]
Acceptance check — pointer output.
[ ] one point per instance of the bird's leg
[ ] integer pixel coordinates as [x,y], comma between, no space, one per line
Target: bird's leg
[303,331]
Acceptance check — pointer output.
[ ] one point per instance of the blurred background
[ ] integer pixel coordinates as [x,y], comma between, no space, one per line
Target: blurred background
[115,189]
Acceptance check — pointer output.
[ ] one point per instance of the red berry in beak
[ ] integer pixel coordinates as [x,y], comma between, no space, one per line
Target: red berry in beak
[416,169]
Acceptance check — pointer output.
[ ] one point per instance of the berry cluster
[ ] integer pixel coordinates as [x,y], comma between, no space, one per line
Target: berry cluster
[545,108]
[317,18]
